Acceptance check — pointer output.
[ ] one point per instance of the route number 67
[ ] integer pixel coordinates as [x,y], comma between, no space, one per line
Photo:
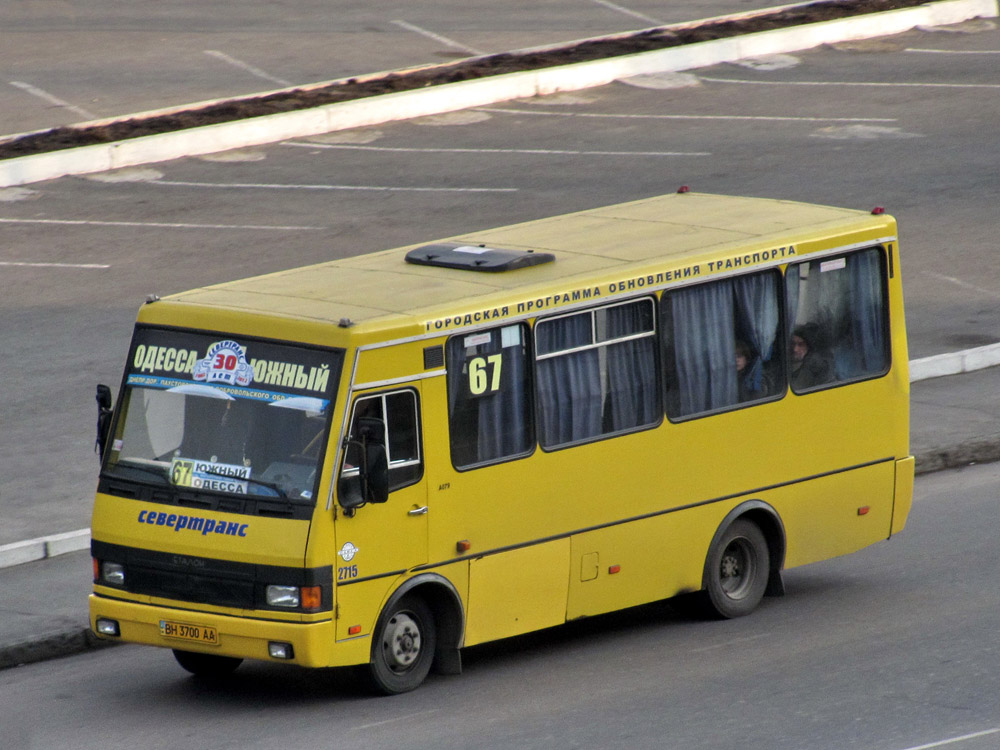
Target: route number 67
[484,374]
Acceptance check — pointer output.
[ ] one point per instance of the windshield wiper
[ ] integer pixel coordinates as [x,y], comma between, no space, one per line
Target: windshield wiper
[258,482]
[159,472]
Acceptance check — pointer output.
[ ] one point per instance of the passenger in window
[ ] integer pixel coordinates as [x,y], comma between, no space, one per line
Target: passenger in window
[811,365]
[752,382]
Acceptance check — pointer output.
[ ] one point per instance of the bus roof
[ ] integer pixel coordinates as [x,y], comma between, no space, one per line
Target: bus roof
[676,237]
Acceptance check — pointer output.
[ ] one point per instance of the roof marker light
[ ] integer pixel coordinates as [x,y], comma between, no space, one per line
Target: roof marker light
[683,189]
[878,210]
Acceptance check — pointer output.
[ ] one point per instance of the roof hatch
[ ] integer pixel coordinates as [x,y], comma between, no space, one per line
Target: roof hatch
[475,257]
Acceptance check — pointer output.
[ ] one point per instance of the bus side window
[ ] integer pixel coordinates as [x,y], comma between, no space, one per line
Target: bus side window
[597,373]
[722,344]
[838,321]
[398,412]
[489,396]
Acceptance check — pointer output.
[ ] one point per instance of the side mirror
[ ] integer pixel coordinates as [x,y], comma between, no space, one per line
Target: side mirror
[371,483]
[103,418]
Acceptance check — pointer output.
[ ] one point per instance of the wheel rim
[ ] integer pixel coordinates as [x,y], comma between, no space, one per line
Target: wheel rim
[401,642]
[737,568]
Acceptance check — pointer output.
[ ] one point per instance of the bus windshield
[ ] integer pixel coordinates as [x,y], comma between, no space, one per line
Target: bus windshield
[237,416]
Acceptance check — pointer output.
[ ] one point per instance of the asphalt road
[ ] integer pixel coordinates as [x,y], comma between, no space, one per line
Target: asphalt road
[908,123]
[892,648]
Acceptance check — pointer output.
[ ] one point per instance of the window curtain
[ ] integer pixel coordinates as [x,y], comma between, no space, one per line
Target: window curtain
[502,420]
[503,416]
[569,385]
[704,347]
[868,321]
[756,299]
[632,383]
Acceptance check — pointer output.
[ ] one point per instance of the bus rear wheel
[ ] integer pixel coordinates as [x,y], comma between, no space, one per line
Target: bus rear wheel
[403,647]
[736,571]
[206,665]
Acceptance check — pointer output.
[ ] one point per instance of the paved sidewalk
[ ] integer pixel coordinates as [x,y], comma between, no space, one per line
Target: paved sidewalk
[955,421]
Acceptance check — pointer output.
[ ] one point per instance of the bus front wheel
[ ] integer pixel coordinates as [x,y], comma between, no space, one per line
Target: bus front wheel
[403,647]
[206,665]
[736,571]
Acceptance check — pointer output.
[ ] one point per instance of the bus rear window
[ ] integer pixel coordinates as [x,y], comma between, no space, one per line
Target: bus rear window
[838,321]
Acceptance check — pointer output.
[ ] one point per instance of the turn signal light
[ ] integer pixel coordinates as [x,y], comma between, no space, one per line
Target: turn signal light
[312,597]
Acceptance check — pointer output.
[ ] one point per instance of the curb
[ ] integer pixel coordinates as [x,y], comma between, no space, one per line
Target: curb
[68,642]
[450,97]
[44,547]
[955,363]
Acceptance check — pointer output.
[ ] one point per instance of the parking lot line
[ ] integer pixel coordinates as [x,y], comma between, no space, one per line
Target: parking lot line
[954,51]
[378,188]
[955,740]
[27,264]
[52,99]
[156,224]
[528,151]
[762,118]
[886,84]
[626,11]
[438,38]
[247,67]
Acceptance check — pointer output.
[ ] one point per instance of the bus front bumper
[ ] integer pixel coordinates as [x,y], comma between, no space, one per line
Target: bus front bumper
[311,643]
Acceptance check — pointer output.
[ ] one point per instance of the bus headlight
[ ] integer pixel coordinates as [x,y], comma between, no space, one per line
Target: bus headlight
[282,596]
[105,626]
[113,573]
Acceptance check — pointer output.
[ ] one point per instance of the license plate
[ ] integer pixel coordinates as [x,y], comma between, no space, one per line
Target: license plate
[185,632]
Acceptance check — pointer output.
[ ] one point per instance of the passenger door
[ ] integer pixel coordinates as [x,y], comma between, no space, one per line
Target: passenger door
[383,539]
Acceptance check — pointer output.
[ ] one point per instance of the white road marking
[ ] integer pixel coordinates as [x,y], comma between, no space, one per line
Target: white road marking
[955,740]
[727,644]
[861,132]
[763,118]
[873,84]
[529,151]
[156,224]
[628,12]
[26,264]
[954,51]
[247,67]
[395,719]
[51,99]
[963,284]
[438,38]
[377,188]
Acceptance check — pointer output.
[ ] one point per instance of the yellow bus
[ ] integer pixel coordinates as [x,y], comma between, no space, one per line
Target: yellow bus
[381,460]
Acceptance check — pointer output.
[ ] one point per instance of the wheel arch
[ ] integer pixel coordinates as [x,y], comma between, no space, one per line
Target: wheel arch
[769,522]
[445,603]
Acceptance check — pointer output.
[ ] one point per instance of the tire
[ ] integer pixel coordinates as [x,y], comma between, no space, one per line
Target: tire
[403,647]
[206,665]
[736,571]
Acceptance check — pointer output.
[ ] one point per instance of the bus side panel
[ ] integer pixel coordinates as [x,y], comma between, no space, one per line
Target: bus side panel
[359,604]
[517,591]
[904,493]
[639,562]
[836,514]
